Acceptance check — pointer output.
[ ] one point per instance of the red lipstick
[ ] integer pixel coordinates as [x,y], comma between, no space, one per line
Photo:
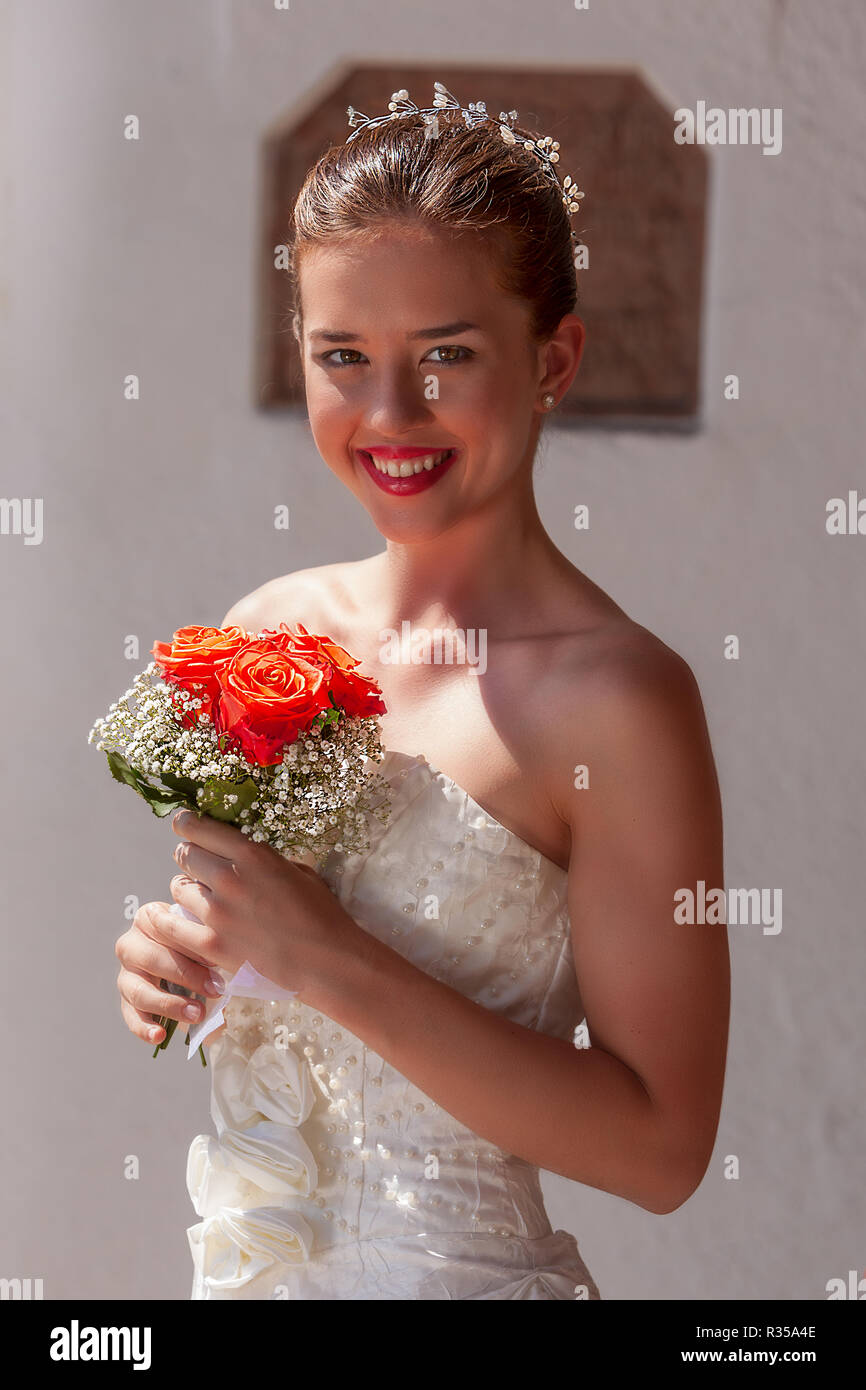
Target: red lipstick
[415,482]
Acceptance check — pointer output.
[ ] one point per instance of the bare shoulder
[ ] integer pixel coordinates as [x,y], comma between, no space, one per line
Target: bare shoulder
[628,701]
[631,670]
[315,597]
[611,664]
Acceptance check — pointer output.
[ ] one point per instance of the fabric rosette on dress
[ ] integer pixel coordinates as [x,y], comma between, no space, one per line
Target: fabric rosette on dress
[245,1183]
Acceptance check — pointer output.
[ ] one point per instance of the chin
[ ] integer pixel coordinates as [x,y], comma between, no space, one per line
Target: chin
[406,530]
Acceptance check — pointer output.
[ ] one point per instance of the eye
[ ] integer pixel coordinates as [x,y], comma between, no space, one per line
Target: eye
[452,361]
[326,356]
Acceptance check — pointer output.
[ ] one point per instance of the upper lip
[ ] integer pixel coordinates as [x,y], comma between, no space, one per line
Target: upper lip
[384,451]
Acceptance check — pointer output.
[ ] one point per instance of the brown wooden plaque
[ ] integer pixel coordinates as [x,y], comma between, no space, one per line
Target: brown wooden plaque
[642,220]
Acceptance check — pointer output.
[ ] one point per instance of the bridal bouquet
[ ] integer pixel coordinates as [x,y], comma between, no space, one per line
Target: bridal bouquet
[269,731]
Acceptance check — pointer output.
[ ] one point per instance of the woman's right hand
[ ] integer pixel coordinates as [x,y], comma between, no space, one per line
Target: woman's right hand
[143,963]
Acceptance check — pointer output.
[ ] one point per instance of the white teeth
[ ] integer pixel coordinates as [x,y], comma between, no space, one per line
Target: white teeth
[407,467]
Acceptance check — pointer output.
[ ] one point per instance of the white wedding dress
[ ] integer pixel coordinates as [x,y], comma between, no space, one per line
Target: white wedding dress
[332,1176]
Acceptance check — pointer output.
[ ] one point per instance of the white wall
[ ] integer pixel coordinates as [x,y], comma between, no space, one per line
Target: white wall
[121,258]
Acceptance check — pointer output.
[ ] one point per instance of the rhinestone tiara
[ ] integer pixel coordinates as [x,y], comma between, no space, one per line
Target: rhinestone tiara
[545,149]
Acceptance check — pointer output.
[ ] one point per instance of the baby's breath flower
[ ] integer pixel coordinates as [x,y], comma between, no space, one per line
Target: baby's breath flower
[316,799]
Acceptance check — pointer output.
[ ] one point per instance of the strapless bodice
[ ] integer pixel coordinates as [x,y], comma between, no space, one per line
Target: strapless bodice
[331,1174]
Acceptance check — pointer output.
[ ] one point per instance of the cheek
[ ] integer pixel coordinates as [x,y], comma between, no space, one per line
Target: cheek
[323,400]
[496,400]
[330,419]
[504,380]
[469,402]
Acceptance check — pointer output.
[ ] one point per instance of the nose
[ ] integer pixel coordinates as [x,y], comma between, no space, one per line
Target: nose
[398,405]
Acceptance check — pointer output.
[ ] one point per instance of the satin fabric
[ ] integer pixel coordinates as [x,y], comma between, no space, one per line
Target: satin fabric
[331,1176]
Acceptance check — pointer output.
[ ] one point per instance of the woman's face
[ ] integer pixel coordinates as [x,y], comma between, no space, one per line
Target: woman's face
[402,371]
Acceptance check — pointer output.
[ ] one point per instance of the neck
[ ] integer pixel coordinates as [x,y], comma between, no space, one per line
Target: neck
[487,571]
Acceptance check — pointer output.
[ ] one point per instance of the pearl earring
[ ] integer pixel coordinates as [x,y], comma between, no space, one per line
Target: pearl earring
[548,400]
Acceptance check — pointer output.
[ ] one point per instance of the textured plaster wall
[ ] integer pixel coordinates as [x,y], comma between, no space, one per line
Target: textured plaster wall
[116,259]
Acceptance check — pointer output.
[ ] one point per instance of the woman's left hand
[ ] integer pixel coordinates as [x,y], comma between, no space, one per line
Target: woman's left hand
[255,905]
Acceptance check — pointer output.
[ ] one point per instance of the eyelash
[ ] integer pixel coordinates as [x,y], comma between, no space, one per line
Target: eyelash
[325,357]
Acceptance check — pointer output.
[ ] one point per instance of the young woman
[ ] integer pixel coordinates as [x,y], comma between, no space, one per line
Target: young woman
[548,802]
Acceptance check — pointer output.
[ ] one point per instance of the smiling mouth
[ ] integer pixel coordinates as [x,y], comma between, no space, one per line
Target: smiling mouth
[404,468]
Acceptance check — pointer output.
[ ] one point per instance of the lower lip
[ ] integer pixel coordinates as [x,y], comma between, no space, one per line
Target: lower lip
[404,487]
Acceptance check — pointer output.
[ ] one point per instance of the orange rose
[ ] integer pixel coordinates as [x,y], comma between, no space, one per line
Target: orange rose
[354,693]
[192,658]
[268,695]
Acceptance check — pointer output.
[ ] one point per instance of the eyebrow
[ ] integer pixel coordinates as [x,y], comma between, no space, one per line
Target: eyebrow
[445,330]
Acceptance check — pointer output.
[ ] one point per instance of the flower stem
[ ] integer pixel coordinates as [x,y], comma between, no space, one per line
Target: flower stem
[169,1024]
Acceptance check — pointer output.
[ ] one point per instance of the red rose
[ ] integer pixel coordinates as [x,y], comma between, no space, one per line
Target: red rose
[268,695]
[356,694]
[192,658]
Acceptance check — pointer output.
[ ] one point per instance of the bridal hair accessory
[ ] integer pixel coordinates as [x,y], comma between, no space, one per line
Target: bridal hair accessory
[545,149]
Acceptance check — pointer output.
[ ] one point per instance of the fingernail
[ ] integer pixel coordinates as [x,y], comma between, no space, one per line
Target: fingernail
[214,984]
[192,1010]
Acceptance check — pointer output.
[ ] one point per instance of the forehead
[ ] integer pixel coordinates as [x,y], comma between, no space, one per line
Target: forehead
[415,276]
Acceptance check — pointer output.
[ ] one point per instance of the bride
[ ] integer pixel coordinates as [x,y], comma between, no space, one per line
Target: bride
[545,811]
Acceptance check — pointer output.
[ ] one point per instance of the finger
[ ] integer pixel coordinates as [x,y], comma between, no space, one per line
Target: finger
[140,953]
[203,865]
[227,841]
[306,868]
[146,997]
[178,933]
[141,1024]
[194,896]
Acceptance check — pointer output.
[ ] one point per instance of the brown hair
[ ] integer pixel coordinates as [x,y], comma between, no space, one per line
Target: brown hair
[466,178]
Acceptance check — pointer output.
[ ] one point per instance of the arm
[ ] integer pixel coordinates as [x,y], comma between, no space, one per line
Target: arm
[636,1113]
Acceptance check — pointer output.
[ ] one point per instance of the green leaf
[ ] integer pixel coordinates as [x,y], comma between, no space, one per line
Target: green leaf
[216,789]
[331,716]
[180,784]
[164,808]
[161,801]
[122,772]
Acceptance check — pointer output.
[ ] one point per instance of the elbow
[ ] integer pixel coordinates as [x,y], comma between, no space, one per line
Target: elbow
[677,1179]
[672,1196]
